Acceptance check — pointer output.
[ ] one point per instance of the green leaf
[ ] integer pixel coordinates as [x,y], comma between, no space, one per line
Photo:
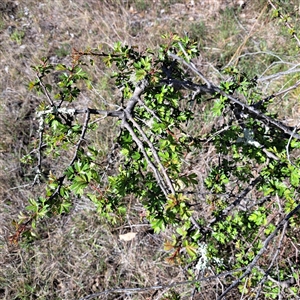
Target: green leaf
[60,67]
[275,13]
[218,107]
[295,174]
[191,250]
[34,206]
[158,225]
[65,207]
[79,184]
[181,231]
[135,156]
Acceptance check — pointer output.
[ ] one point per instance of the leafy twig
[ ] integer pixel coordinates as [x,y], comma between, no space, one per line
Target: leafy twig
[212,89]
[288,25]
[265,245]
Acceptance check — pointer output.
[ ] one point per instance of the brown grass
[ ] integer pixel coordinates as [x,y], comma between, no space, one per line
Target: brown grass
[79,254]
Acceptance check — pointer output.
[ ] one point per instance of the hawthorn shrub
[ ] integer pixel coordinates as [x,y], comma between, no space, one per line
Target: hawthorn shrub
[238,226]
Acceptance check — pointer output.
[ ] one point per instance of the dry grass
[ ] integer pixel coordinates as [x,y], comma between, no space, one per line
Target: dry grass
[79,254]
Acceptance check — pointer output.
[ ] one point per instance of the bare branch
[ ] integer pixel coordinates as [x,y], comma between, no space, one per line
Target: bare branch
[139,89]
[81,139]
[41,83]
[158,287]
[72,111]
[279,74]
[39,149]
[191,67]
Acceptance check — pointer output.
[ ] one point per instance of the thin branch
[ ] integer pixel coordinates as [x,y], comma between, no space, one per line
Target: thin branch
[158,287]
[78,144]
[249,268]
[61,179]
[194,287]
[81,139]
[191,67]
[279,74]
[258,104]
[288,146]
[139,143]
[154,152]
[266,273]
[260,202]
[246,39]
[237,201]
[41,83]
[102,54]
[212,89]
[283,284]
[289,26]
[259,115]
[39,149]
[150,111]
[256,53]
[72,111]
